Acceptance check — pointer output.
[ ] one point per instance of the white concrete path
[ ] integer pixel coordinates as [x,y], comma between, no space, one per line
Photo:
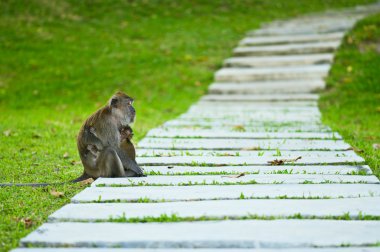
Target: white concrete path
[248,166]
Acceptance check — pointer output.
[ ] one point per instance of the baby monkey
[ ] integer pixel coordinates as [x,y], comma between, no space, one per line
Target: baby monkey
[126,134]
[104,141]
[126,144]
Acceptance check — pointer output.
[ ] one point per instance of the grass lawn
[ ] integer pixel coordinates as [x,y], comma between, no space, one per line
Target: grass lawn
[351,104]
[61,60]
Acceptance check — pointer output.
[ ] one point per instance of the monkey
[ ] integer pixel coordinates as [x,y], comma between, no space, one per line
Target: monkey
[104,141]
[126,134]
[126,142]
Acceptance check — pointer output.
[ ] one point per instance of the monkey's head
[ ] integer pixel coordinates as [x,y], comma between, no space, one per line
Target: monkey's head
[122,109]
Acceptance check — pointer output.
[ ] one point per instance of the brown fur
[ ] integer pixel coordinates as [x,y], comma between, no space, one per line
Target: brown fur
[104,147]
[126,142]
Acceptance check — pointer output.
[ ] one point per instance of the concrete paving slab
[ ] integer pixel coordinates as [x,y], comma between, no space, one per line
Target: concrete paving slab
[252,119]
[272,87]
[215,133]
[251,127]
[221,209]
[258,104]
[226,180]
[268,121]
[236,111]
[291,39]
[351,249]
[250,115]
[261,97]
[240,160]
[289,49]
[315,25]
[207,107]
[218,192]
[241,144]
[213,234]
[230,74]
[251,153]
[279,61]
[182,169]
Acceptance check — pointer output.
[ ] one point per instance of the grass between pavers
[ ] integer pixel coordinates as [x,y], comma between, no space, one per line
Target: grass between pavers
[60,60]
[242,197]
[351,104]
[226,153]
[205,164]
[262,137]
[176,218]
[285,171]
[133,183]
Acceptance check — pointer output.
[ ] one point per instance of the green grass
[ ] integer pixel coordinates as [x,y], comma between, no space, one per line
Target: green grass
[176,218]
[61,60]
[242,197]
[351,104]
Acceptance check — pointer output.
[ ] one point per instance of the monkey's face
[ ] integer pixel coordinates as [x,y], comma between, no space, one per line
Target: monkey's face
[122,108]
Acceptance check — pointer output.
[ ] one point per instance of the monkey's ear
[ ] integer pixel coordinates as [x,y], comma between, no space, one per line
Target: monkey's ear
[113,102]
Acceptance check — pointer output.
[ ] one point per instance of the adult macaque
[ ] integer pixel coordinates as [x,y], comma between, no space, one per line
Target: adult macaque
[104,141]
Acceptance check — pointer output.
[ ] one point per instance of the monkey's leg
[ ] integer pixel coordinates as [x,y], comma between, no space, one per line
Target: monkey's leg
[130,166]
[109,163]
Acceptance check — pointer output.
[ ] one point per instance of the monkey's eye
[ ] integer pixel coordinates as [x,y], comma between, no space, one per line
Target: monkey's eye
[130,103]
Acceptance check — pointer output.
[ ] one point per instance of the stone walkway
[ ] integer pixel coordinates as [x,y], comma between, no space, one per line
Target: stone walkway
[226,174]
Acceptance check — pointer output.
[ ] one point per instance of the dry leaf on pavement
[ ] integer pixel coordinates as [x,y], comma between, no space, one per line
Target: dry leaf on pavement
[234,176]
[251,148]
[283,161]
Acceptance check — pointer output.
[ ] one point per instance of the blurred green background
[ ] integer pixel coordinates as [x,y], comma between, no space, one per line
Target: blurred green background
[60,60]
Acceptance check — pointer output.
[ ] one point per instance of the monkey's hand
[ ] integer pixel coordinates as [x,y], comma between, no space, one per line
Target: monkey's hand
[93,149]
[93,131]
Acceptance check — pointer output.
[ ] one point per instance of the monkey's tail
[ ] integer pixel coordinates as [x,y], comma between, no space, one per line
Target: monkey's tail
[84,176]
[30,184]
